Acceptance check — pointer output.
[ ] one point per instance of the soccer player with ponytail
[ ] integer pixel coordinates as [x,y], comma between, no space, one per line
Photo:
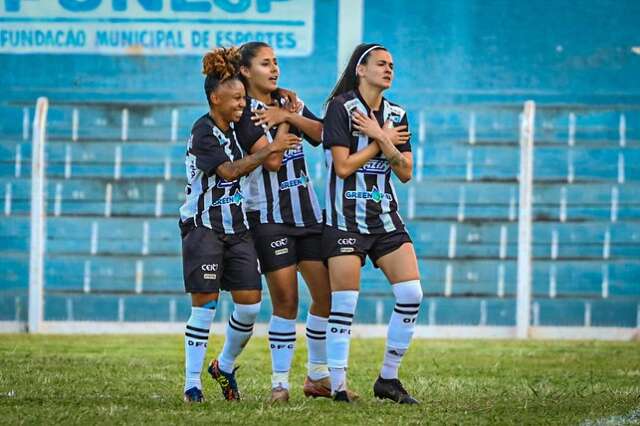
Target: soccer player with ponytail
[366,139]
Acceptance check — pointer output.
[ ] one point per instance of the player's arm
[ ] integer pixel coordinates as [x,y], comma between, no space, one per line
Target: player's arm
[274,160]
[232,170]
[337,137]
[306,122]
[393,142]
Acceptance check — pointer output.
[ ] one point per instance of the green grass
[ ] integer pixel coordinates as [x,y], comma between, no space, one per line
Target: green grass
[138,379]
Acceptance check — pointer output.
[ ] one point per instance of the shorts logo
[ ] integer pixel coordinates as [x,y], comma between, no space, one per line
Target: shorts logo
[210,276]
[375,166]
[303,181]
[231,199]
[279,243]
[209,267]
[373,195]
[347,249]
[281,251]
[346,241]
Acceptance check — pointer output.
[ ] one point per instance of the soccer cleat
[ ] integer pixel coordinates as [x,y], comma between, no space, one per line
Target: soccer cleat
[279,394]
[392,389]
[193,395]
[227,381]
[317,388]
[345,396]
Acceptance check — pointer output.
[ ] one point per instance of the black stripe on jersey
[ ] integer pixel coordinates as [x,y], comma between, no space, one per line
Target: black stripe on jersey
[269,194]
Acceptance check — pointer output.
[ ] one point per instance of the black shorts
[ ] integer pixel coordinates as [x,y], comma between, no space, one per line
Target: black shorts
[279,245]
[213,261]
[336,242]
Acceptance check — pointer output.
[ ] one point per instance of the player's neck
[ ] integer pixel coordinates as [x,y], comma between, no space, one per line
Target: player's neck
[264,97]
[371,95]
[218,120]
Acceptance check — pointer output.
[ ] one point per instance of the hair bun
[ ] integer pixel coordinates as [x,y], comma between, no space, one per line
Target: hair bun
[221,63]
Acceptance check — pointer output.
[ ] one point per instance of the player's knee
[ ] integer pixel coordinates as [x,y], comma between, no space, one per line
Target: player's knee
[248,313]
[408,292]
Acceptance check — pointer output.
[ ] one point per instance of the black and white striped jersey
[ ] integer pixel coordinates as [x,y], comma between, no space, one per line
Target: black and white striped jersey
[365,202]
[210,200]
[286,196]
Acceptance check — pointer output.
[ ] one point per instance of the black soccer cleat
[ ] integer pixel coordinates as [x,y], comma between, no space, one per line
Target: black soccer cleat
[392,389]
[193,395]
[342,396]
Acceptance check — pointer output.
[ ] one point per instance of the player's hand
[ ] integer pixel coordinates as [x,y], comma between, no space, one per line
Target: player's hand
[397,135]
[366,124]
[269,117]
[285,142]
[291,100]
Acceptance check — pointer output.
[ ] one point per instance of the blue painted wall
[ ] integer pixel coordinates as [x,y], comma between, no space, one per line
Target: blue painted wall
[445,51]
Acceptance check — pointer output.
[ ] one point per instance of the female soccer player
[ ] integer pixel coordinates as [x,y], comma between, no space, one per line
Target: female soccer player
[285,220]
[217,250]
[365,140]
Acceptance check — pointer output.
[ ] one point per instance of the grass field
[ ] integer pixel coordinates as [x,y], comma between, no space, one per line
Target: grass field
[138,379]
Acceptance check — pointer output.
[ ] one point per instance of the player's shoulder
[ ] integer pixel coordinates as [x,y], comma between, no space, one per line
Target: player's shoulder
[344,98]
[394,108]
[204,127]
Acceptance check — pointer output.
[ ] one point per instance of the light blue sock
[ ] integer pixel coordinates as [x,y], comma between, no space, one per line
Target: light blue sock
[196,336]
[343,307]
[282,342]
[239,330]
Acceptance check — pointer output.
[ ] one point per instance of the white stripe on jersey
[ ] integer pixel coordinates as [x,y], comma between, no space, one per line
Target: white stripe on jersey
[328,202]
[295,197]
[361,186]
[275,193]
[385,217]
[339,195]
[208,200]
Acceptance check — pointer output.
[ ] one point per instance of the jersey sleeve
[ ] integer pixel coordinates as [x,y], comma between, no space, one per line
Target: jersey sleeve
[208,152]
[247,132]
[405,147]
[335,131]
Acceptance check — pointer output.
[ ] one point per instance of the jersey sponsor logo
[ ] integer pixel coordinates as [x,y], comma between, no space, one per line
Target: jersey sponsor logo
[375,166]
[303,181]
[231,199]
[209,267]
[222,183]
[279,243]
[373,195]
[346,241]
[293,154]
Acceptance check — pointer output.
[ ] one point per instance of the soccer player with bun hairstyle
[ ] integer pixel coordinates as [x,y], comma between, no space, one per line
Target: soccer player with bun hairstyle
[366,139]
[217,250]
[286,220]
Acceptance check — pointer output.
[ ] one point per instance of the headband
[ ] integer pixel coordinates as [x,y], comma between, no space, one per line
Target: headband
[366,52]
